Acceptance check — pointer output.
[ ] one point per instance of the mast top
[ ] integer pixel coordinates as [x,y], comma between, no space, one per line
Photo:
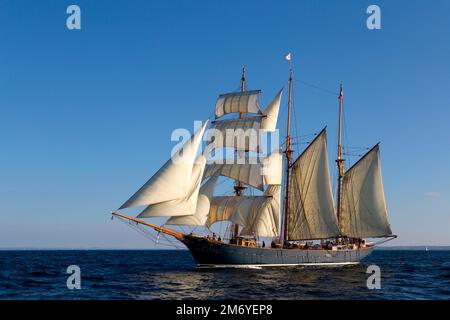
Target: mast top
[339,160]
[242,86]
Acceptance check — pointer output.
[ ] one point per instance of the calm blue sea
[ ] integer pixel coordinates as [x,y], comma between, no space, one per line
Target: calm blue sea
[172,275]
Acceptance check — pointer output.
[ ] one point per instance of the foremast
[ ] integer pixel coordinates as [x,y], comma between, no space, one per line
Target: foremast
[238,188]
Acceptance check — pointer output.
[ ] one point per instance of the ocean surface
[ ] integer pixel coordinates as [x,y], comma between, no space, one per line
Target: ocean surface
[113,274]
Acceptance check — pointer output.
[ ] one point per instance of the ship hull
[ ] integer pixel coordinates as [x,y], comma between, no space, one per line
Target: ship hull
[211,254]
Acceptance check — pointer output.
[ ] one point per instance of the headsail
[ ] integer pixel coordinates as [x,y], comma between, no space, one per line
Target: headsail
[203,205]
[183,206]
[247,102]
[312,214]
[364,213]
[173,180]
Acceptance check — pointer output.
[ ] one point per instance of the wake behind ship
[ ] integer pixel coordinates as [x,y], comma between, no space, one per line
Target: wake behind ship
[289,202]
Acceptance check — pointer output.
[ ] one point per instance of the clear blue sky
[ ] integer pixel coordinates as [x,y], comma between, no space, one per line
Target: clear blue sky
[86,116]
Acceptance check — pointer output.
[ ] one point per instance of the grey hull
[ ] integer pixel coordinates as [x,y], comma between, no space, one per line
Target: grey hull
[216,254]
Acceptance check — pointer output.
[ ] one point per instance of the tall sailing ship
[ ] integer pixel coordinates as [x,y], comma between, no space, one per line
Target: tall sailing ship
[295,207]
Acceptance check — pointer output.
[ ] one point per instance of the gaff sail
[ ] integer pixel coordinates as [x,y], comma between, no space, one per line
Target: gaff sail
[312,213]
[364,213]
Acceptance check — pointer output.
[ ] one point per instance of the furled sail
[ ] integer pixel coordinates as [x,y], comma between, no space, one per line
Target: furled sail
[364,213]
[255,172]
[247,102]
[258,214]
[183,206]
[173,180]
[202,210]
[312,214]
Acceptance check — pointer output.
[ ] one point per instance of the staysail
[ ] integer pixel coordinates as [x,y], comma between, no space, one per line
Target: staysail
[272,168]
[270,113]
[173,180]
[186,205]
[364,213]
[203,205]
[312,214]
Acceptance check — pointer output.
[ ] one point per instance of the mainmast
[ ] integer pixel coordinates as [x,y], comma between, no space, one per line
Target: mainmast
[288,153]
[239,187]
[340,161]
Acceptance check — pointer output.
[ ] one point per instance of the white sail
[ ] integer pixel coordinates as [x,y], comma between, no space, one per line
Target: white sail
[183,206]
[258,214]
[267,222]
[364,213]
[203,205]
[248,173]
[312,214]
[272,169]
[241,134]
[233,208]
[270,113]
[222,207]
[173,180]
[244,134]
[255,172]
[247,102]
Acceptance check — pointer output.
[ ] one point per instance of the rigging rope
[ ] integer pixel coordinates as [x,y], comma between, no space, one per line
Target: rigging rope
[317,87]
